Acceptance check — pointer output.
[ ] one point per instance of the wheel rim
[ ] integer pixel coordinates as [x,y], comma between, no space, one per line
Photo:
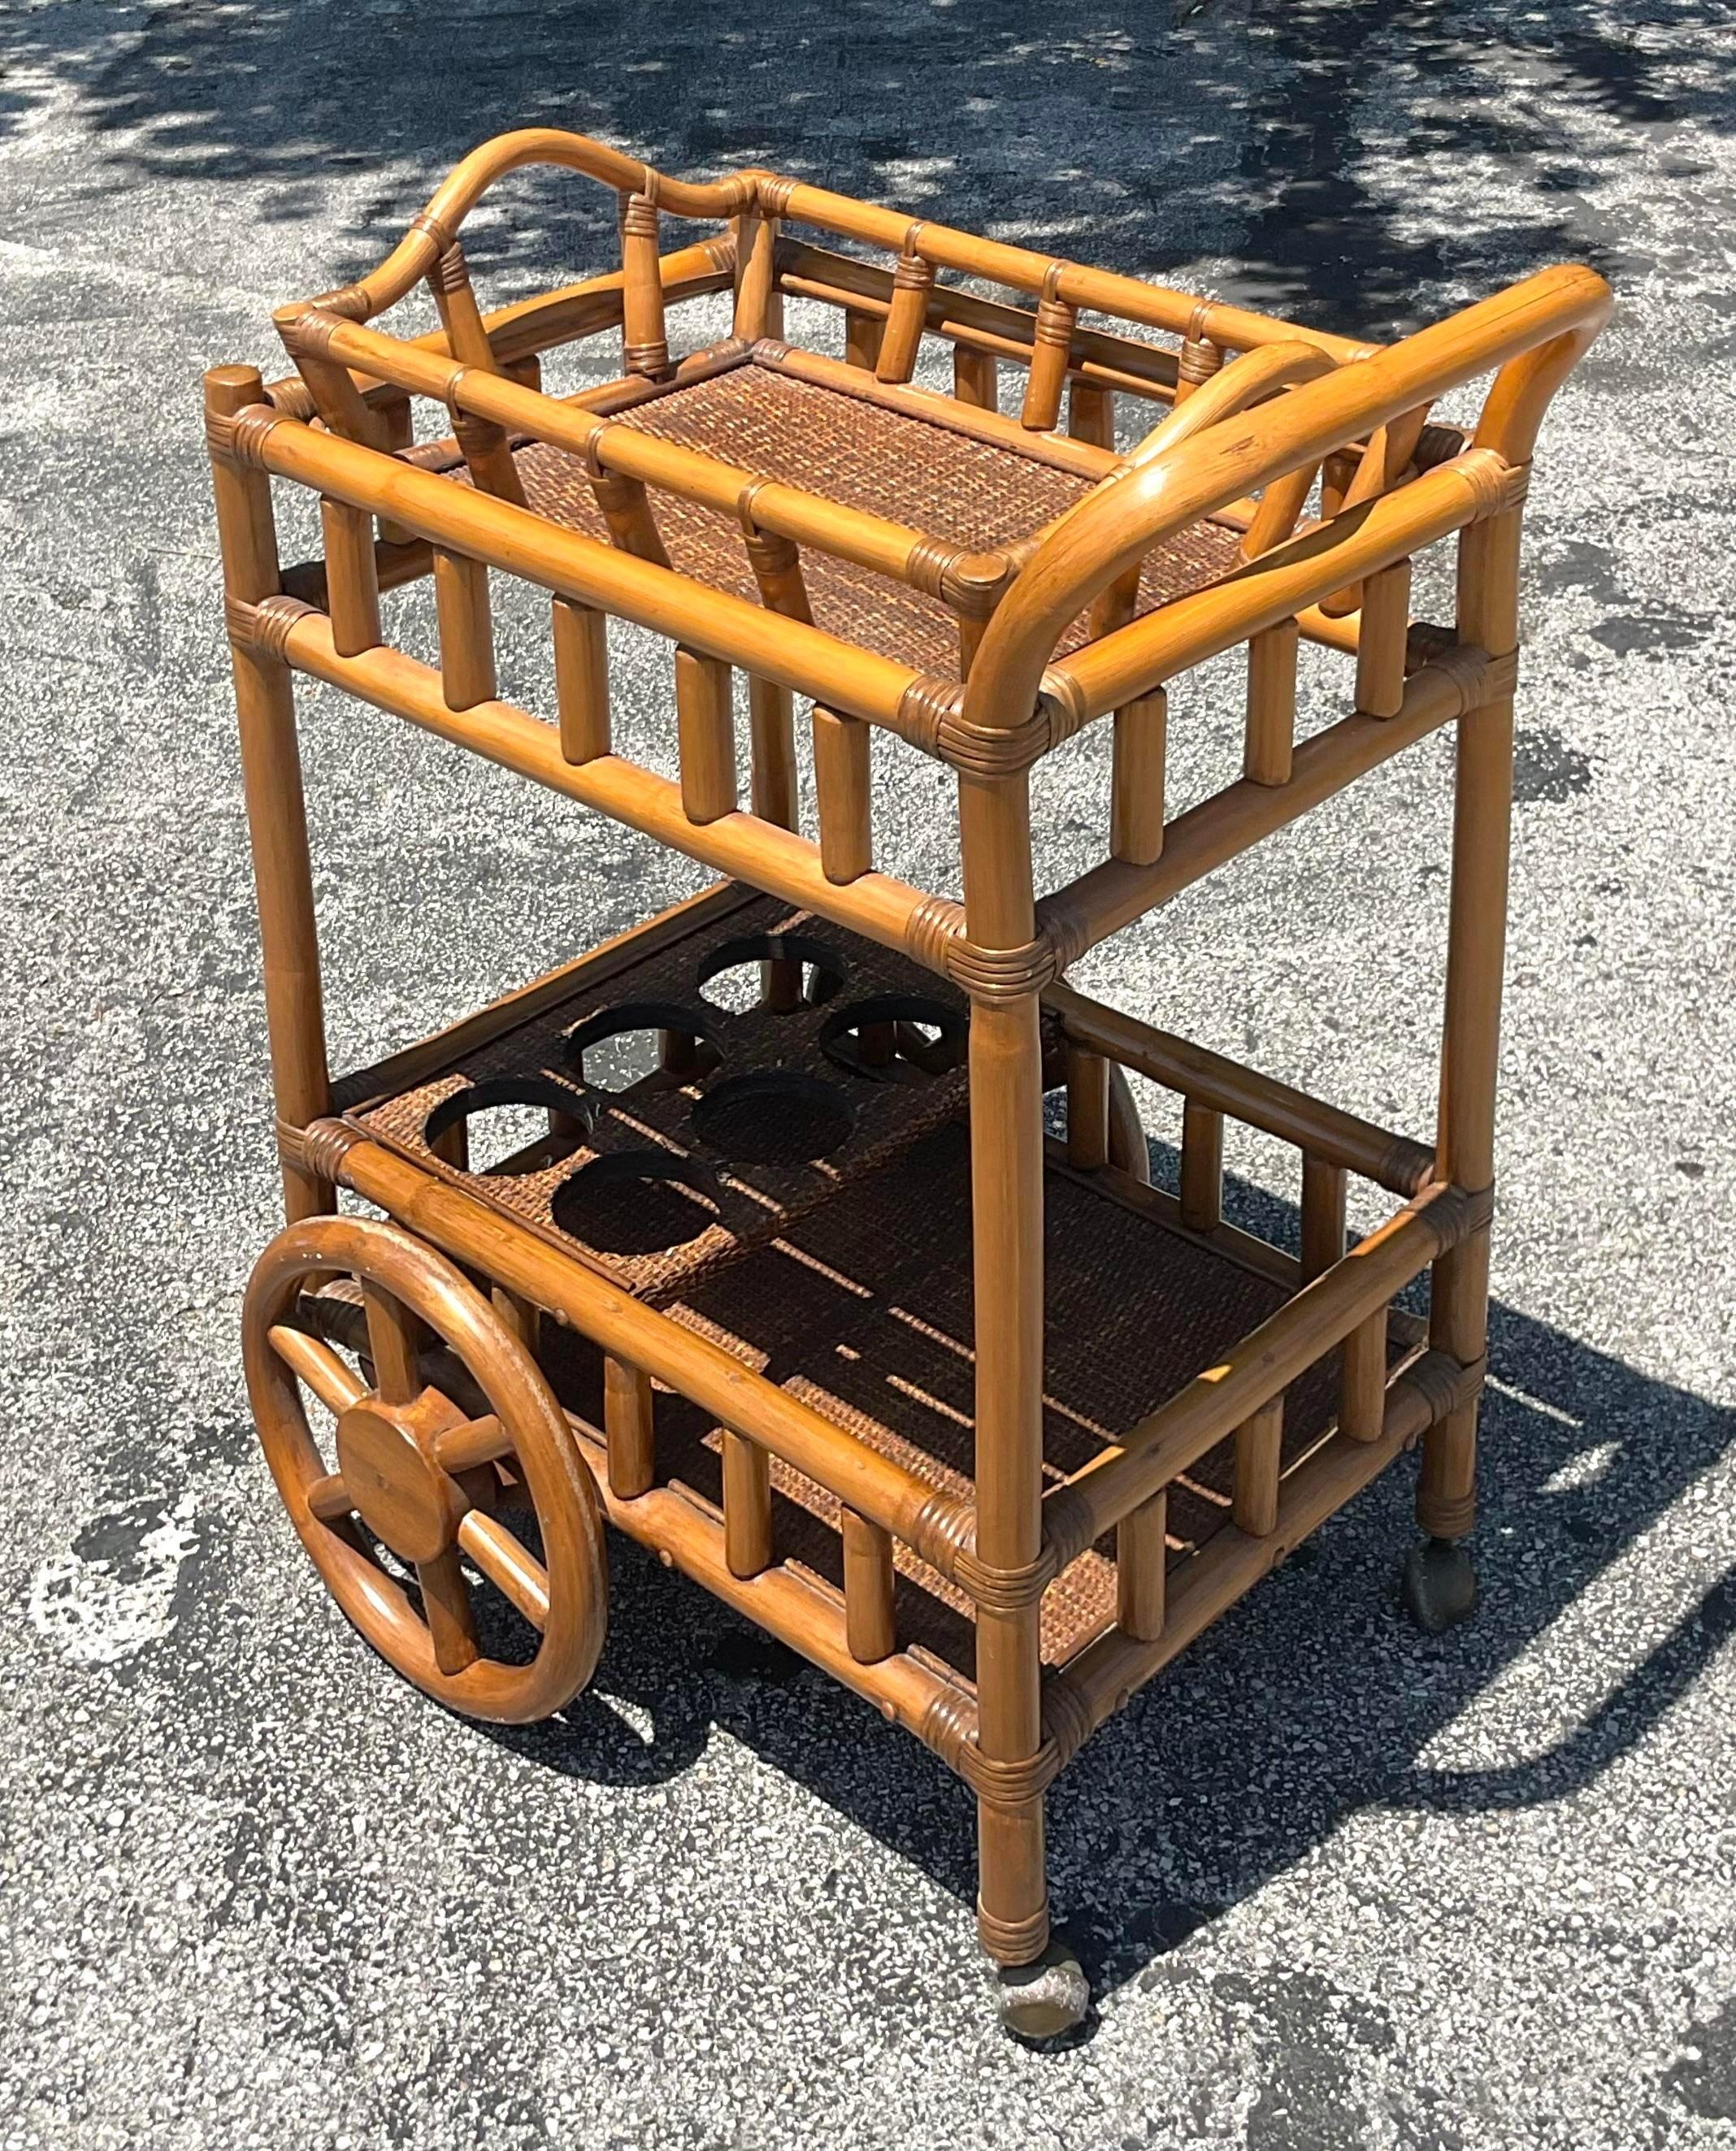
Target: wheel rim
[409,1466]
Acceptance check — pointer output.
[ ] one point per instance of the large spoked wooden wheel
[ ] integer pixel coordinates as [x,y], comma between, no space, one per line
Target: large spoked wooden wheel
[416,1474]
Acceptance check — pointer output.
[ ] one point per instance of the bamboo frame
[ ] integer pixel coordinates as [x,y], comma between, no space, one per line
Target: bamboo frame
[1255,407]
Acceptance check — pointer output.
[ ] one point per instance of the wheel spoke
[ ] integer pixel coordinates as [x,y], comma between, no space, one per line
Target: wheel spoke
[329,1499]
[501,1558]
[394,1345]
[446,1602]
[312,1361]
[477,1441]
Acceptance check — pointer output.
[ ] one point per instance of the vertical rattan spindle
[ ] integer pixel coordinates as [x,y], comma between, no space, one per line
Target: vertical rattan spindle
[467,629]
[776,567]
[864,333]
[746,1506]
[1323,1215]
[705,733]
[1090,414]
[644,342]
[352,582]
[1141,1556]
[913,280]
[1488,617]
[1137,778]
[843,794]
[626,509]
[1202,1208]
[975,378]
[272,778]
[581,679]
[1380,641]
[1051,346]
[1006,1172]
[1087,1108]
[1362,1382]
[486,452]
[1271,734]
[467,338]
[869,1627]
[629,1429]
[1259,1445]
[521,1316]
[397,422]
[759,303]
[337,399]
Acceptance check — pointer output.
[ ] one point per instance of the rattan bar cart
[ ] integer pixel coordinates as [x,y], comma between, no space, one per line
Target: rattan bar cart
[977,1419]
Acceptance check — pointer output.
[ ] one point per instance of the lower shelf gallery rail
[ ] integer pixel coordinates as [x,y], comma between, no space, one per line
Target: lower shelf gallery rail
[849,1633]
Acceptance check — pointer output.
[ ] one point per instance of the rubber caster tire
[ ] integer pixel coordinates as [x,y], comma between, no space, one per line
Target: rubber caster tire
[1439,1586]
[1046,2000]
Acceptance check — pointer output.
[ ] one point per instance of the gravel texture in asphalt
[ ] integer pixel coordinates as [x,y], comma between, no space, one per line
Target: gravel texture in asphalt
[1335,1883]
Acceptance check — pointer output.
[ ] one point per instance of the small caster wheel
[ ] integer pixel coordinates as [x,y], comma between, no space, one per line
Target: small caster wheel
[1044,2000]
[1439,1586]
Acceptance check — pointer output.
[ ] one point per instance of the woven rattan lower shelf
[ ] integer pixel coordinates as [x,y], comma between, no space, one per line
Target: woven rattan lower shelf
[863,1308]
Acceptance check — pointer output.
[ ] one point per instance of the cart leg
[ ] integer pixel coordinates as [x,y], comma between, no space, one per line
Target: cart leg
[1006,1125]
[1440,1583]
[276,819]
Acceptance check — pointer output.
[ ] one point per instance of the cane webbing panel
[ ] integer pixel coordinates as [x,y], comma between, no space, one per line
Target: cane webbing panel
[972,494]
[864,1310]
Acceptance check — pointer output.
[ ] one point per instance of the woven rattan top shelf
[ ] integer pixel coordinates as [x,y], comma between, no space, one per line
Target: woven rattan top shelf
[906,466]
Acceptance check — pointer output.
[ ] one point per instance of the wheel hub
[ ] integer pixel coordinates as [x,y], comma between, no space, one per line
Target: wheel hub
[403,1497]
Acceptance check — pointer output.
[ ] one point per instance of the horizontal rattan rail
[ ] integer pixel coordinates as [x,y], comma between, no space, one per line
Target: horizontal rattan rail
[1099,358]
[741,845]
[890,548]
[1128,1472]
[529,327]
[1393,1161]
[1540,325]
[569,563]
[941,245]
[874,1486]
[1110,895]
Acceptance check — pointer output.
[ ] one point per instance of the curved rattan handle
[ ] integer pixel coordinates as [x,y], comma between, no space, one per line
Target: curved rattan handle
[1533,332]
[433,230]
[1255,374]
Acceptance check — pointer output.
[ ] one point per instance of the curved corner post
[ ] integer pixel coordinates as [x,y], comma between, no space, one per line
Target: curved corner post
[1006,1166]
[1488,617]
[1521,392]
[271,775]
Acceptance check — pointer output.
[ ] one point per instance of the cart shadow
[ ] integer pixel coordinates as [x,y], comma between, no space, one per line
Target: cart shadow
[1311,1701]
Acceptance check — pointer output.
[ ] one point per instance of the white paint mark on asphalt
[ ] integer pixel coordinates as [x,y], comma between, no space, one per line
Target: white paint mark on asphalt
[110,1602]
[1585,1469]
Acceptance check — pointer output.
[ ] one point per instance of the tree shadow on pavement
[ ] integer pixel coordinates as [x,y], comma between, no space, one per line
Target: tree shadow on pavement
[1252,137]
